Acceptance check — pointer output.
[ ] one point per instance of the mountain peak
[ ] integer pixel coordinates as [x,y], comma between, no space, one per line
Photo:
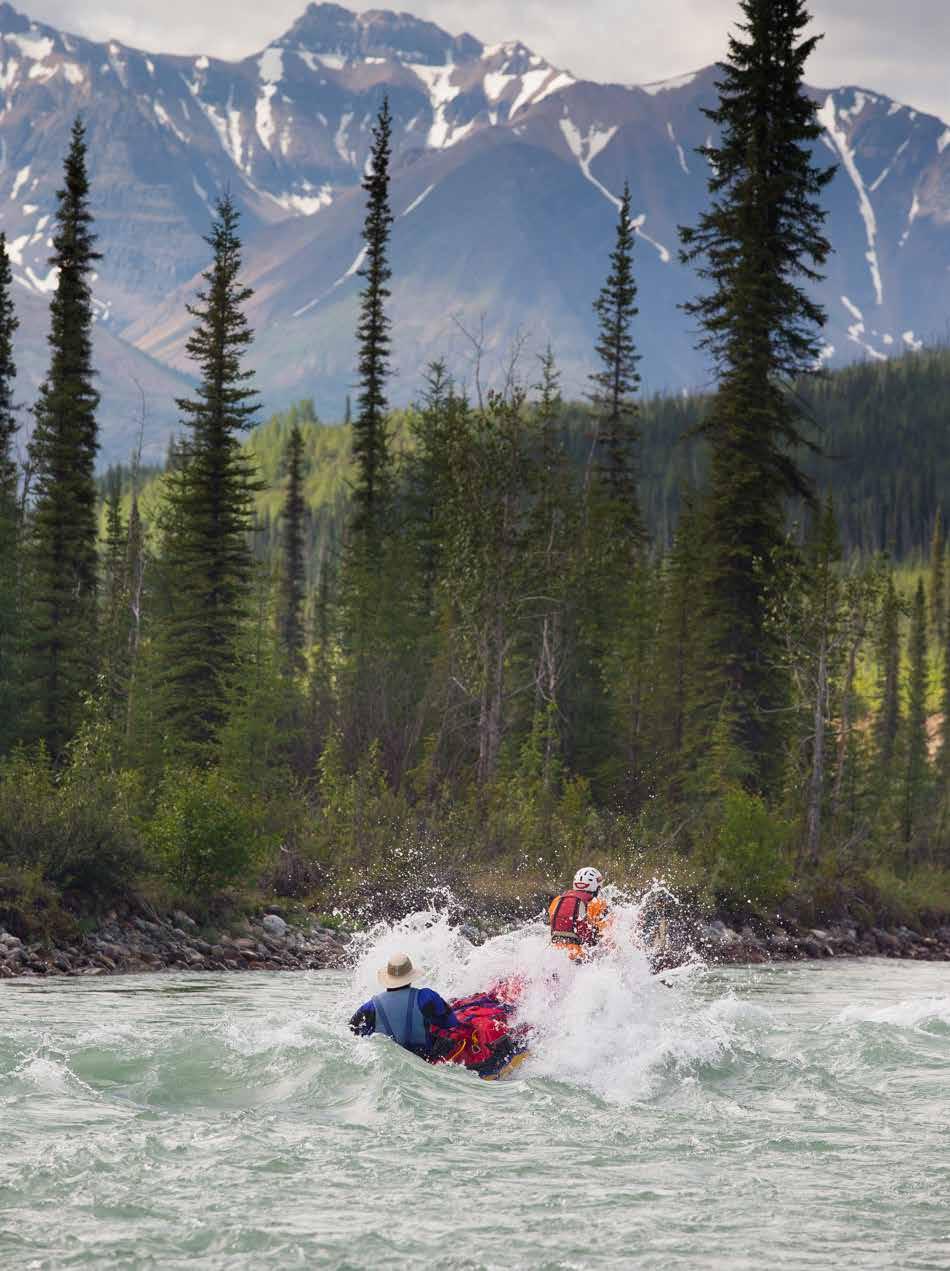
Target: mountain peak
[14,22]
[330,29]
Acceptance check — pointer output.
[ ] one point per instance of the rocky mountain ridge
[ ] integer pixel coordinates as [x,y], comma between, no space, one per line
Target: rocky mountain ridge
[506,178]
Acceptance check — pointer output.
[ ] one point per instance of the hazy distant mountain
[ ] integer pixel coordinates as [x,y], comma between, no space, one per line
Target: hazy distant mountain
[507,173]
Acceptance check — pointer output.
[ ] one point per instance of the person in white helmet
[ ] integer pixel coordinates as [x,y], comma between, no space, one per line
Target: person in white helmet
[578,917]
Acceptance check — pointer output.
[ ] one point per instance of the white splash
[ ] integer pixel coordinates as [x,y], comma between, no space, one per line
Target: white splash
[912,1013]
[609,1026]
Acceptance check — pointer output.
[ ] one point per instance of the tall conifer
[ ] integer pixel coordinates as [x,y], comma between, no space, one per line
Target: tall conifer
[759,247]
[209,501]
[617,380]
[293,575]
[370,437]
[9,519]
[63,556]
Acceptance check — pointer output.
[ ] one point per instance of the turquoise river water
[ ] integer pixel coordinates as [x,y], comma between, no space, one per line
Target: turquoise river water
[788,1116]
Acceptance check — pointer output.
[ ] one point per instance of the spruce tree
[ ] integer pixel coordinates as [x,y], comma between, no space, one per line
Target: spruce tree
[293,574]
[617,380]
[372,488]
[63,550]
[9,516]
[759,247]
[209,503]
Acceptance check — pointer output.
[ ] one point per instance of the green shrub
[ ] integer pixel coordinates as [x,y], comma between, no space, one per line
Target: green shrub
[921,897]
[749,866]
[76,828]
[206,833]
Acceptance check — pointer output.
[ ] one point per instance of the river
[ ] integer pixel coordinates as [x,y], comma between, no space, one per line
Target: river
[786,1116]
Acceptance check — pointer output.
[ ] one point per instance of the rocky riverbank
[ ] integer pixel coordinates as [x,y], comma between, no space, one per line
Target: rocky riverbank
[136,944]
[131,944]
[717,942]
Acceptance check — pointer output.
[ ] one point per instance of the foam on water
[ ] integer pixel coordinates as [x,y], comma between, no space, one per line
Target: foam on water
[916,1012]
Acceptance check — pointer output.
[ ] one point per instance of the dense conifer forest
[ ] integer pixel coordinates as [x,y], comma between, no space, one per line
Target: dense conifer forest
[704,638]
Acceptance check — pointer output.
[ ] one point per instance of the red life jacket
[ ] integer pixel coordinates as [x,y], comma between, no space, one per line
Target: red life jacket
[566,925]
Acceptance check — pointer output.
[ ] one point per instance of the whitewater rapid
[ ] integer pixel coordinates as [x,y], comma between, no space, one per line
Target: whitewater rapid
[793,1116]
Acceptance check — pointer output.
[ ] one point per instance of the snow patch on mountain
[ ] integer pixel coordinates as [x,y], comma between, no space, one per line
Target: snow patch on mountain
[339,140]
[419,199]
[911,217]
[20,181]
[668,85]
[912,342]
[163,117]
[531,85]
[637,225]
[586,147]
[202,194]
[45,286]
[890,167]
[74,72]
[357,264]
[271,66]
[308,203]
[44,73]
[437,80]
[679,149]
[561,80]
[943,141]
[828,118]
[264,120]
[9,74]
[36,49]
[857,330]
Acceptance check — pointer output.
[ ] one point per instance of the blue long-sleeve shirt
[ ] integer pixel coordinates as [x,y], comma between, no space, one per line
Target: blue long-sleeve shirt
[435,1010]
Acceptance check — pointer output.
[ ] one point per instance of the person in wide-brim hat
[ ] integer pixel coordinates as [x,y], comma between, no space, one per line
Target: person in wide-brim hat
[402,1012]
[398,972]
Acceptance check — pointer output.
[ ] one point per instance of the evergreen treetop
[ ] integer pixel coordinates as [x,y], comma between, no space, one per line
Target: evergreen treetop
[63,547]
[209,505]
[760,244]
[370,438]
[617,380]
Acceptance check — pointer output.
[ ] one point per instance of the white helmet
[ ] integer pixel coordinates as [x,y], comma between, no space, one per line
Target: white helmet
[588,879]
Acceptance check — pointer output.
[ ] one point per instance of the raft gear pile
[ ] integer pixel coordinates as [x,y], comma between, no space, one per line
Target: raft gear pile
[486,1040]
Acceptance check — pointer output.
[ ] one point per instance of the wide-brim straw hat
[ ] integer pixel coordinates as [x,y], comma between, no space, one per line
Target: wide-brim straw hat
[398,972]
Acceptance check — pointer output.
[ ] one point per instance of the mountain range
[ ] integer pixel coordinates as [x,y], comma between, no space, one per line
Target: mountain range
[507,173]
